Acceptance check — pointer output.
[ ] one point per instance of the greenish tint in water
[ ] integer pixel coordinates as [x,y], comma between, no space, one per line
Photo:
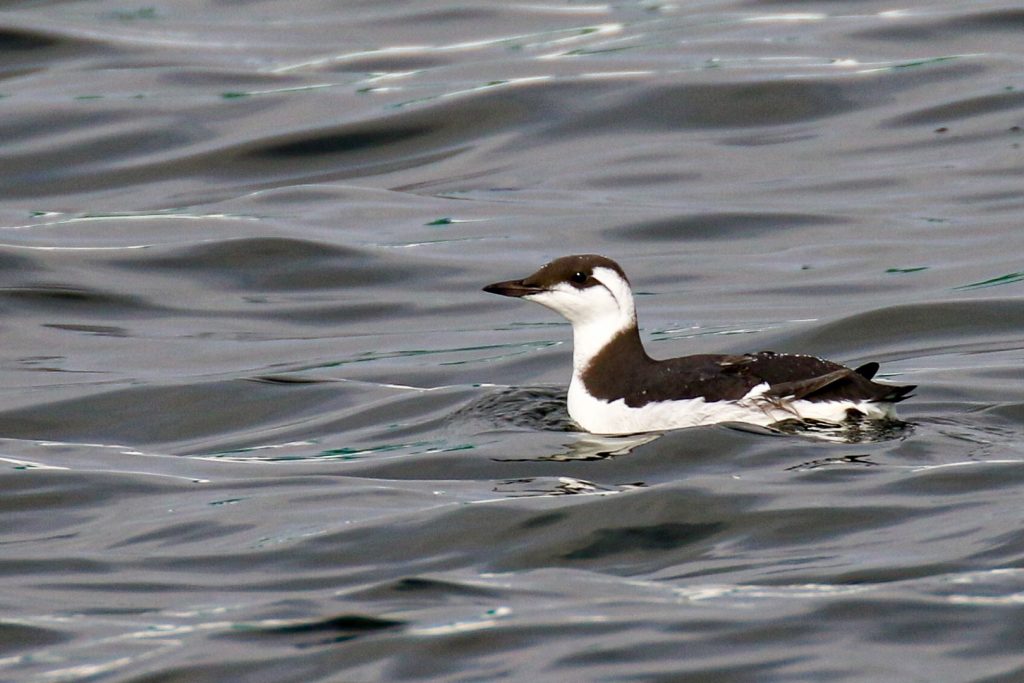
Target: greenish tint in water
[1007,279]
[371,356]
[924,62]
[236,94]
[143,13]
[346,453]
[263,454]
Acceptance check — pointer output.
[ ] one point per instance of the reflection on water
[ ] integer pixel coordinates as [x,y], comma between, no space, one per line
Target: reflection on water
[257,421]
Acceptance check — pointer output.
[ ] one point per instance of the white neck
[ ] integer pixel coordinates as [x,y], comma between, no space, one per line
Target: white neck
[590,337]
[593,331]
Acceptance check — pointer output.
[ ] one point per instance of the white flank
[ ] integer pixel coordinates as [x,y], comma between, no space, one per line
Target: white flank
[615,417]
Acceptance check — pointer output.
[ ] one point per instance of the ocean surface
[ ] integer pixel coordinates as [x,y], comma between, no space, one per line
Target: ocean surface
[259,423]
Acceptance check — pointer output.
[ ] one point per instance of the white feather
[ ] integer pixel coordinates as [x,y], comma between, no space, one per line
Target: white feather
[615,417]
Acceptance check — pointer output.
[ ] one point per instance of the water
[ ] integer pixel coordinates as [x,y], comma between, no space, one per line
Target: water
[260,423]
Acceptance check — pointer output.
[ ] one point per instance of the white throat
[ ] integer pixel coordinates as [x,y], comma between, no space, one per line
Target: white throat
[597,313]
[591,336]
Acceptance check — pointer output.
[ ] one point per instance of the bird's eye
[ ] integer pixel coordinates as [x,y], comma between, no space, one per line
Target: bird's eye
[579,277]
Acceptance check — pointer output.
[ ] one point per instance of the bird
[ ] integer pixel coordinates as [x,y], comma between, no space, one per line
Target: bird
[617,388]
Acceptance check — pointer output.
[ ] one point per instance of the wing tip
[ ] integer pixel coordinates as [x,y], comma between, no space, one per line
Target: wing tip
[896,392]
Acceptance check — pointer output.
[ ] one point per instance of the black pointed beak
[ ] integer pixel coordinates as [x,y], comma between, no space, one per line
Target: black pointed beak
[513,288]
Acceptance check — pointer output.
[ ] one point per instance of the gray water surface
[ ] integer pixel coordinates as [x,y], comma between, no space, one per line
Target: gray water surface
[259,423]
